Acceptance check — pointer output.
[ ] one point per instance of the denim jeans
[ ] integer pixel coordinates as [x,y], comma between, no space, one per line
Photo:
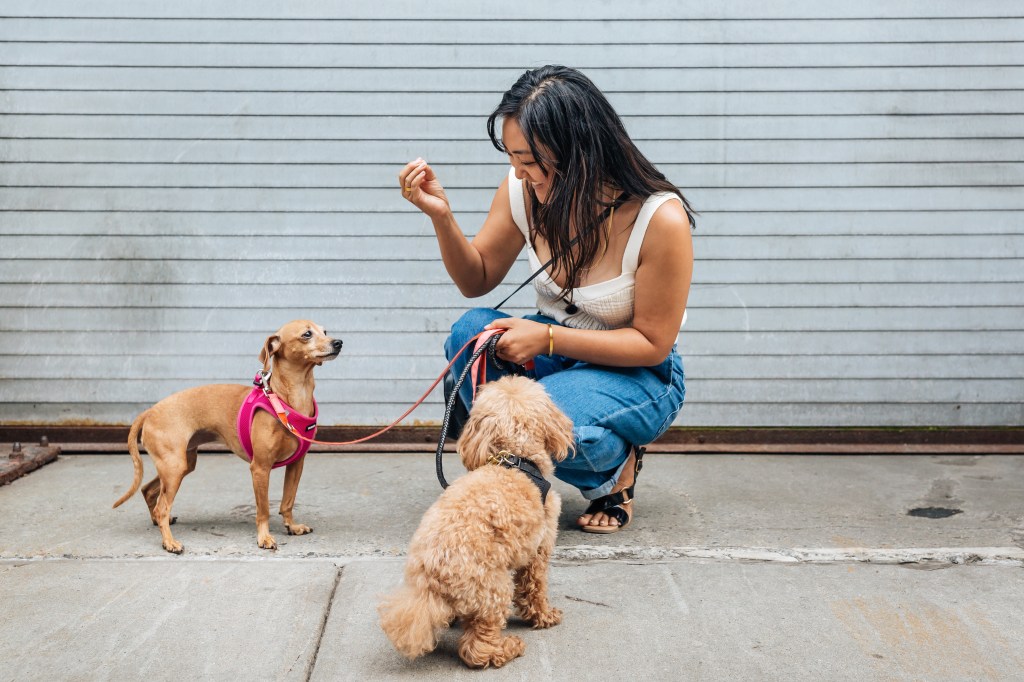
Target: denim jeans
[612,408]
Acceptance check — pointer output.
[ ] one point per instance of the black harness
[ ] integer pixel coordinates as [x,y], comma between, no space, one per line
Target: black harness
[509,461]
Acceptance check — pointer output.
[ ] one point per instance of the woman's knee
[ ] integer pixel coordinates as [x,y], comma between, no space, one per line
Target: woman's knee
[596,449]
[469,325]
[475,319]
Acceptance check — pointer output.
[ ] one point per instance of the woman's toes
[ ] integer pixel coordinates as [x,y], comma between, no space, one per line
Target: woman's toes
[598,519]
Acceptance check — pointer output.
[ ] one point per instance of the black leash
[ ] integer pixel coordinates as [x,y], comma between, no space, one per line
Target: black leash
[505,459]
[532,277]
[488,347]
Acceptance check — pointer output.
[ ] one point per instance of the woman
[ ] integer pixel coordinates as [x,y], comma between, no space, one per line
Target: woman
[611,300]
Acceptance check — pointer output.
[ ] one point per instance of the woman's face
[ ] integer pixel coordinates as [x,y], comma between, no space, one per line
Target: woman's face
[522,160]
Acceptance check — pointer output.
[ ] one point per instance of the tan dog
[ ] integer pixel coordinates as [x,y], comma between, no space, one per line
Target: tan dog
[174,428]
[485,526]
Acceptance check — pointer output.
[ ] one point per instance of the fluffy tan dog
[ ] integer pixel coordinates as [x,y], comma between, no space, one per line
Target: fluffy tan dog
[485,544]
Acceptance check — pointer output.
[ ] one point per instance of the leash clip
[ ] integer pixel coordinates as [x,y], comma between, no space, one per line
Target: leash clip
[503,457]
[262,381]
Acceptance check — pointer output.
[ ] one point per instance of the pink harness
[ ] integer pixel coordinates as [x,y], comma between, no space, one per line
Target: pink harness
[299,424]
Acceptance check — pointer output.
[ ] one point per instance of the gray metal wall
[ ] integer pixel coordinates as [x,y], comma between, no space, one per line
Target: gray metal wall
[181,178]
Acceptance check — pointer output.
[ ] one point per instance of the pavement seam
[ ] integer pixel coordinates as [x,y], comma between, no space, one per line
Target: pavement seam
[1006,556]
[1013,556]
[323,622]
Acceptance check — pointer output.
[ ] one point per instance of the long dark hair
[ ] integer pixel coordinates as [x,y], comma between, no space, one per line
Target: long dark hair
[561,112]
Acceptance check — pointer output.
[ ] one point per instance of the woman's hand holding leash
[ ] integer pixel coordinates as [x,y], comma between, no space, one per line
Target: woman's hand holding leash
[523,340]
[422,189]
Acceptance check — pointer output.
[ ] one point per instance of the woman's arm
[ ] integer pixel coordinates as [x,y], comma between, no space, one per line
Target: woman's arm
[478,266]
[662,287]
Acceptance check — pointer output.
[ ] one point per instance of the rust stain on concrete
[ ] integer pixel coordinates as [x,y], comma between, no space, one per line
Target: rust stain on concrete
[923,639]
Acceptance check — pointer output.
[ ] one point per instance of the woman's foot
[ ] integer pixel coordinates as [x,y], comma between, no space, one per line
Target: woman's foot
[609,520]
[602,522]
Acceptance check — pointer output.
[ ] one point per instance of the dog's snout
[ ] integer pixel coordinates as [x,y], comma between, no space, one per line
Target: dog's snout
[336,345]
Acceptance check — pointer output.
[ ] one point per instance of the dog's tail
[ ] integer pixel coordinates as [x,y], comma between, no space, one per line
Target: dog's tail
[133,448]
[413,618]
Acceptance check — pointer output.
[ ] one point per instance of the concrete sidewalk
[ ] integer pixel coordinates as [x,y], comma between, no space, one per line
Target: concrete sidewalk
[737,567]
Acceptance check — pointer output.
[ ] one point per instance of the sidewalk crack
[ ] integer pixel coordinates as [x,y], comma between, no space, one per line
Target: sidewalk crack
[323,623]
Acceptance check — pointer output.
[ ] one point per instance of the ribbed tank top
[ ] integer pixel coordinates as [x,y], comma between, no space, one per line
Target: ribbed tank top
[602,305]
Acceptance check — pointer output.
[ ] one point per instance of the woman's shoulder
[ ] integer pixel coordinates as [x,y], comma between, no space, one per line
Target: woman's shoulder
[668,212]
[665,208]
[660,212]
[668,229]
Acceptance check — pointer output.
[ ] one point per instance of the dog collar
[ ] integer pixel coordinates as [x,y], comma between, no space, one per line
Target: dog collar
[509,461]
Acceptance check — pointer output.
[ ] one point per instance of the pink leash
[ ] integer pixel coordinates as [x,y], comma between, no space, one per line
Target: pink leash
[285,414]
[478,374]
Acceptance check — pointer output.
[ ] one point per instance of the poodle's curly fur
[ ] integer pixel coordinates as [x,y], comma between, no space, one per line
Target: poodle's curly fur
[486,542]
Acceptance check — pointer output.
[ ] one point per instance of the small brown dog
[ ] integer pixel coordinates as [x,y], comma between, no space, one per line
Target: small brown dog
[177,425]
[486,525]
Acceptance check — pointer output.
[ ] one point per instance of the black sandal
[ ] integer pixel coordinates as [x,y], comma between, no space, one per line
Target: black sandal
[612,505]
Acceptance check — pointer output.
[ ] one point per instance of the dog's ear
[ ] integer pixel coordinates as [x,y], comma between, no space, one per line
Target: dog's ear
[558,439]
[473,442]
[270,348]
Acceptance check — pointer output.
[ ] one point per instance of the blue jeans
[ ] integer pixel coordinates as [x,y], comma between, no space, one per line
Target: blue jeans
[612,408]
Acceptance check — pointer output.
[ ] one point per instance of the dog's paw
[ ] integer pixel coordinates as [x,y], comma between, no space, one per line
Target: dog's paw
[298,529]
[512,647]
[548,619]
[267,542]
[174,547]
[476,654]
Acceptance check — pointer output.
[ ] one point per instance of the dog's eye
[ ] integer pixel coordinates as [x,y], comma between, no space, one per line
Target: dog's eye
[307,335]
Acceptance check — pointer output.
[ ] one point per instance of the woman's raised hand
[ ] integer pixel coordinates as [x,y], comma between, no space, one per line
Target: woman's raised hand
[422,189]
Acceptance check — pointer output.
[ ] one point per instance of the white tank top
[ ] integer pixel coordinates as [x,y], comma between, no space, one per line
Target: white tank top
[602,305]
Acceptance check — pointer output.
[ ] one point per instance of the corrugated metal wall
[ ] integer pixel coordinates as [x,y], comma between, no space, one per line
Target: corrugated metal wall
[181,178]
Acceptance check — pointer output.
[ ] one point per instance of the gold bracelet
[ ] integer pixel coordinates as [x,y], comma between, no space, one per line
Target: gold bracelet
[551,340]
